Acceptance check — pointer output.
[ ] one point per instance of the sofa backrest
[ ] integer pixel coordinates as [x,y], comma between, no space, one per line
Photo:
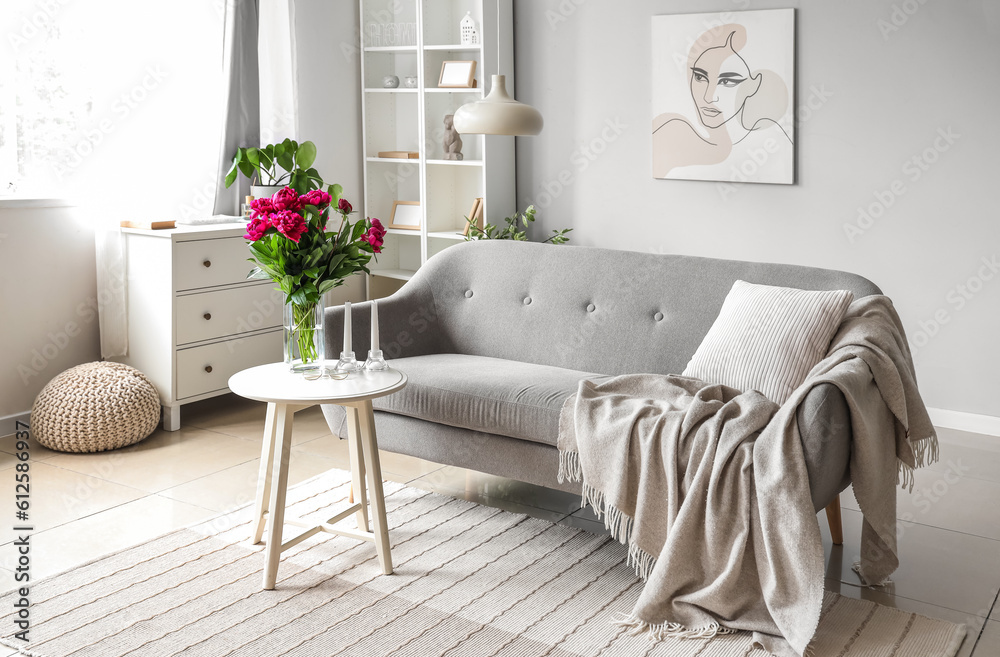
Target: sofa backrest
[591,309]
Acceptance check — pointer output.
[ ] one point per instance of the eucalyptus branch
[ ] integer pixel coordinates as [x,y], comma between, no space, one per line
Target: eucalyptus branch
[512,231]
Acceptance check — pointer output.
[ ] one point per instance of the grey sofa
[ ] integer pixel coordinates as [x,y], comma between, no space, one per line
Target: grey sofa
[495,335]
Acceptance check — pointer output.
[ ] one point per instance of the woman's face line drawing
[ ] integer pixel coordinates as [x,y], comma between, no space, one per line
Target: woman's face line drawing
[715,80]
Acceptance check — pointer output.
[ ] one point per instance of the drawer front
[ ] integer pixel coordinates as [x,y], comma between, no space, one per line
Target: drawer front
[206,263]
[227,312]
[208,368]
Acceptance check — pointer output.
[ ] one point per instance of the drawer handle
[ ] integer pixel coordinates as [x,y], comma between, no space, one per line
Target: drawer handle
[207,316]
[207,263]
[208,368]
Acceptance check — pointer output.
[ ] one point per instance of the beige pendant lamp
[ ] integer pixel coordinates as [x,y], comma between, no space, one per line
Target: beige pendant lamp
[498,113]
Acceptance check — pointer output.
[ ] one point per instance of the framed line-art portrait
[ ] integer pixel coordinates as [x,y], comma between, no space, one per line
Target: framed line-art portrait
[457,74]
[723,87]
[405,215]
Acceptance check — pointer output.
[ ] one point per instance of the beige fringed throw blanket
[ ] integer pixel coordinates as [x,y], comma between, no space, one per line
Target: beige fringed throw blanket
[708,486]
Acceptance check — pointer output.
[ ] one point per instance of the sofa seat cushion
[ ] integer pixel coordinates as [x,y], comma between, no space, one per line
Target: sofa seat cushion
[505,397]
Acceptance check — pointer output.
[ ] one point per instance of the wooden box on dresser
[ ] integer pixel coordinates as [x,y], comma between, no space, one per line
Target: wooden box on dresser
[193,318]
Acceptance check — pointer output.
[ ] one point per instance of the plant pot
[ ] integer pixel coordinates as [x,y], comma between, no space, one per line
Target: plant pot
[261,191]
[304,345]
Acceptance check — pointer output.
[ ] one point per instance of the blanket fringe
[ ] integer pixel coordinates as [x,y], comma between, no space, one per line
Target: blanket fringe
[925,452]
[569,467]
[857,567]
[619,525]
[661,631]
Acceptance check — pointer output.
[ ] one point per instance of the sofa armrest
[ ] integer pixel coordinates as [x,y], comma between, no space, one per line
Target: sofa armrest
[825,431]
[409,325]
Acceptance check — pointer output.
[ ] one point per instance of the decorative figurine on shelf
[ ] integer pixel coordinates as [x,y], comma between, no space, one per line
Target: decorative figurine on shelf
[452,140]
[467,28]
[410,82]
[390,82]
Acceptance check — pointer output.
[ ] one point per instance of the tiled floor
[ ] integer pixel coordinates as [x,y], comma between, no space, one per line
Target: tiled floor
[86,505]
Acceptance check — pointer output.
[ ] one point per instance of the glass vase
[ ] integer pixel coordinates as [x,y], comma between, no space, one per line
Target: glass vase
[304,344]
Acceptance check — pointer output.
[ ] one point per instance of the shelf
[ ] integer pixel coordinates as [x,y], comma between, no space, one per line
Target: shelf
[453,48]
[412,119]
[453,90]
[390,49]
[398,274]
[457,163]
[448,235]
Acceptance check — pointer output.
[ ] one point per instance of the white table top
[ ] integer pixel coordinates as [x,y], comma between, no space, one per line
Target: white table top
[274,383]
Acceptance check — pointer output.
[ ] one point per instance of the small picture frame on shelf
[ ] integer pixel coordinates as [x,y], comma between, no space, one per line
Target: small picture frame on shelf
[475,216]
[458,75]
[405,215]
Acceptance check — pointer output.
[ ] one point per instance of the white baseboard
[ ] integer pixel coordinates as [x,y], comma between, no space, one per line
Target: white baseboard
[972,422]
[8,423]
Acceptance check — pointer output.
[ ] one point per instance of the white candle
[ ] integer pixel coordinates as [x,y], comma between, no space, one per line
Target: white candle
[347,327]
[374,325]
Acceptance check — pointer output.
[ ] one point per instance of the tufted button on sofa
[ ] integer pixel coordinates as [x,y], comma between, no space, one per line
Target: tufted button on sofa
[490,364]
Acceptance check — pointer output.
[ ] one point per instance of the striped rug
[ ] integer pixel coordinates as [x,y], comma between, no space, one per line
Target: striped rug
[470,580]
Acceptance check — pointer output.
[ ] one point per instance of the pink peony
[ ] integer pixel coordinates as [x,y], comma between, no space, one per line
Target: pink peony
[256,228]
[290,224]
[262,206]
[286,199]
[316,197]
[344,206]
[375,236]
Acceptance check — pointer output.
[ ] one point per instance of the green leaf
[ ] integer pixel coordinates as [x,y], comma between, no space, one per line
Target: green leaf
[359,230]
[258,274]
[253,155]
[306,155]
[247,168]
[231,175]
[329,284]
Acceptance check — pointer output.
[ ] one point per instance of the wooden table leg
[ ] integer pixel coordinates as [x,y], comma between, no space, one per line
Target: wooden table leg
[836,523]
[355,450]
[264,476]
[370,444]
[279,483]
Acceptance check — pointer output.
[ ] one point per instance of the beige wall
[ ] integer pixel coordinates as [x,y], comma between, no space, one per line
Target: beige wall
[877,87]
[49,296]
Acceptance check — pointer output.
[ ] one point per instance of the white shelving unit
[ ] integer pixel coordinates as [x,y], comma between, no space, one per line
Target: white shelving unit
[405,119]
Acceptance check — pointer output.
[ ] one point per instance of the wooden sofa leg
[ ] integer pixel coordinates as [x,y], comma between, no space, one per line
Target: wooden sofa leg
[836,524]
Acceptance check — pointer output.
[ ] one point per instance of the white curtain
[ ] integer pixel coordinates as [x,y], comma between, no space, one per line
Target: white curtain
[278,87]
[241,117]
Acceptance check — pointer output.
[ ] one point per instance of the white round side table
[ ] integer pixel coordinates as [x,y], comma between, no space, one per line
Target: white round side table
[286,393]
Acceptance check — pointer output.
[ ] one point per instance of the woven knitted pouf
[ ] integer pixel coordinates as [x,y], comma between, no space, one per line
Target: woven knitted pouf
[94,407]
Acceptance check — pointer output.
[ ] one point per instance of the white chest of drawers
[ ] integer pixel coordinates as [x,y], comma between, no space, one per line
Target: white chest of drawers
[194,320]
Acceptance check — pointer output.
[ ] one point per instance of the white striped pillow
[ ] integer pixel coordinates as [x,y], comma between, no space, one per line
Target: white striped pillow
[767,338]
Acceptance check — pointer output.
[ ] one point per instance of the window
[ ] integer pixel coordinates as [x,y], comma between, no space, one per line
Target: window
[111,97]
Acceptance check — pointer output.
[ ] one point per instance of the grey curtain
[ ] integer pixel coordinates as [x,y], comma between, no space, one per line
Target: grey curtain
[242,107]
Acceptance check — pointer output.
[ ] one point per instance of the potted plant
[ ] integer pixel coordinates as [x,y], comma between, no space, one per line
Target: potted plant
[287,164]
[512,231]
